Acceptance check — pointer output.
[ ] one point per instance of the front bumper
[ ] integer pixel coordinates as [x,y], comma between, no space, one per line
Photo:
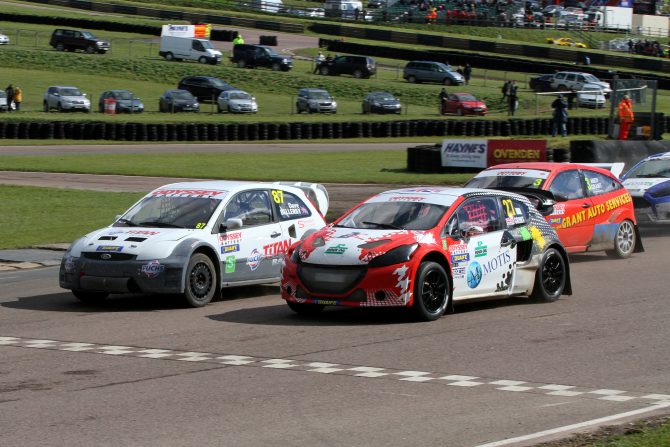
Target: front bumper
[647,212]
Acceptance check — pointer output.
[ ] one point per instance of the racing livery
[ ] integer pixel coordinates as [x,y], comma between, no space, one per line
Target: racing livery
[649,184]
[193,239]
[424,248]
[593,210]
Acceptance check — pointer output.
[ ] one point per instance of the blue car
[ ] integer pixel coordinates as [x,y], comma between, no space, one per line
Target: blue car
[649,184]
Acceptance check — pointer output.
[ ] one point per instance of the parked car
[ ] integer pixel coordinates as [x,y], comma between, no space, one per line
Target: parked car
[66,99]
[356,66]
[236,101]
[649,184]
[4,107]
[541,83]
[315,12]
[381,102]
[178,101]
[4,39]
[591,95]
[426,248]
[251,56]
[71,39]
[315,100]
[193,239]
[572,80]
[428,71]
[205,88]
[565,42]
[593,211]
[126,101]
[463,104]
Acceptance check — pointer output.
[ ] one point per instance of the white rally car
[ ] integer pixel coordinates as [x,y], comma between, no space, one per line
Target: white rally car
[193,239]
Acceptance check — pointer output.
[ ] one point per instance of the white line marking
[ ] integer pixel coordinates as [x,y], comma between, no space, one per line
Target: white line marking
[579,425]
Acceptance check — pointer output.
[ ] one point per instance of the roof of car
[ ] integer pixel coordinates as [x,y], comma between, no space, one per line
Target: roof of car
[549,166]
[231,186]
[660,156]
[441,195]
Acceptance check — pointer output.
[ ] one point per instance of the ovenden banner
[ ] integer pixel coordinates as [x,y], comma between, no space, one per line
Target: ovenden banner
[480,153]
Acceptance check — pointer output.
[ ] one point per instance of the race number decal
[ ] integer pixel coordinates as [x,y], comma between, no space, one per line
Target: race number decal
[278,196]
[200,225]
[509,208]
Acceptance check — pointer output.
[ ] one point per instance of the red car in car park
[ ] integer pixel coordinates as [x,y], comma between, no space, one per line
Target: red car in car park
[463,104]
[593,211]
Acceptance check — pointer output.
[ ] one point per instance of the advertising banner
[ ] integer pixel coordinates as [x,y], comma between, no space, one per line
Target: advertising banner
[477,153]
[469,153]
[201,31]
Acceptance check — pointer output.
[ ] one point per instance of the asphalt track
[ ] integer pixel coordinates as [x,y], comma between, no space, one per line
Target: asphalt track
[246,371]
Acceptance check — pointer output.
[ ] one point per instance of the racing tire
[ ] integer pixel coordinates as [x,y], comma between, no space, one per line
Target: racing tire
[624,241]
[358,74]
[201,281]
[276,67]
[325,71]
[59,107]
[202,60]
[169,56]
[550,277]
[432,291]
[412,79]
[90,297]
[305,309]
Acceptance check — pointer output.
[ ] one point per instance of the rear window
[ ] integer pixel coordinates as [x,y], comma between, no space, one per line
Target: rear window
[509,178]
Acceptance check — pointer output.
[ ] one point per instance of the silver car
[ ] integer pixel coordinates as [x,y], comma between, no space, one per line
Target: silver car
[236,101]
[4,40]
[66,99]
[315,100]
[429,71]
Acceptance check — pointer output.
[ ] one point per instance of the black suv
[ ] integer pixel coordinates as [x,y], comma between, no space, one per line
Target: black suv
[356,66]
[260,56]
[205,88]
[71,39]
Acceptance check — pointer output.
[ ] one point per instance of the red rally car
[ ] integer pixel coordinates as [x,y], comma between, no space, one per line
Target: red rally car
[593,210]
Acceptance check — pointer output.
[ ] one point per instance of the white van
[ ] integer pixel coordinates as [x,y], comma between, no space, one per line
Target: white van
[267,5]
[344,9]
[189,48]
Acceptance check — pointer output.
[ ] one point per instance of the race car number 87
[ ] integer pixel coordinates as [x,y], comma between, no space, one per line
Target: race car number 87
[278,196]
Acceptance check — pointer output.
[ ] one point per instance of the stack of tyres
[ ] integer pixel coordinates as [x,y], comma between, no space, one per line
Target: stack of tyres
[203,134]
[284,131]
[232,133]
[316,130]
[213,132]
[296,131]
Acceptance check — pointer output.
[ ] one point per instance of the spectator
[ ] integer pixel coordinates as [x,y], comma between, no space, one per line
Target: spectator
[318,60]
[506,89]
[513,88]
[443,99]
[467,72]
[18,97]
[357,13]
[571,98]
[9,91]
[238,40]
[512,103]
[625,116]
[560,117]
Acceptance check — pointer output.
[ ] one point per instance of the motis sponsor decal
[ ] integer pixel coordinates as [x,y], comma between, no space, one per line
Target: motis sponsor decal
[152,269]
[474,275]
[230,264]
[114,248]
[495,263]
[336,249]
[480,249]
[254,259]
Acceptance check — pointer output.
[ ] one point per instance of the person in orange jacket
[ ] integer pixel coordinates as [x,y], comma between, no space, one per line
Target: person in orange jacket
[626,116]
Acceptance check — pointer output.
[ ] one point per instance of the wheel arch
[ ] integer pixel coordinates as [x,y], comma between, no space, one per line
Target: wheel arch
[190,247]
[439,258]
[567,290]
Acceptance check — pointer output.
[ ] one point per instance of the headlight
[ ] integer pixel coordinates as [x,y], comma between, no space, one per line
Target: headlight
[285,61]
[334,104]
[394,256]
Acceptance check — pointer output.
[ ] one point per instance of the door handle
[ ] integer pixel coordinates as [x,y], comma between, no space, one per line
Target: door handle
[275,234]
[586,205]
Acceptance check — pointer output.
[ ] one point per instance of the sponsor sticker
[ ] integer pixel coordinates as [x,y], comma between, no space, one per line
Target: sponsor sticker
[114,248]
[152,269]
[230,264]
[555,220]
[463,257]
[230,248]
[254,259]
[480,249]
[336,249]
[474,275]
[458,272]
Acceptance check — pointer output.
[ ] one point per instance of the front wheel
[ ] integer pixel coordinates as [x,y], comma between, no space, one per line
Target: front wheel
[447,81]
[550,277]
[90,297]
[276,67]
[202,60]
[432,291]
[624,241]
[90,49]
[324,71]
[201,281]
[358,74]
[305,309]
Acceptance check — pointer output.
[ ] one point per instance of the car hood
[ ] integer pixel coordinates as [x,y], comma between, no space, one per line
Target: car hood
[473,103]
[351,246]
[638,186]
[145,243]
[387,102]
[75,98]
[241,101]
[129,102]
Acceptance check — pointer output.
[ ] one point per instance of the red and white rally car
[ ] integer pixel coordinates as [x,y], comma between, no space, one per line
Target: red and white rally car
[194,238]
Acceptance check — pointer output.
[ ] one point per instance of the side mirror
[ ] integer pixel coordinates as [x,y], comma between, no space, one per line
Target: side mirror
[56,94]
[474,230]
[546,207]
[230,224]
[117,217]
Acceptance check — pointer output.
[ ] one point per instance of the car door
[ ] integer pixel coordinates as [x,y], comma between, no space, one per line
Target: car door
[579,83]
[451,103]
[481,251]
[252,239]
[570,214]
[611,205]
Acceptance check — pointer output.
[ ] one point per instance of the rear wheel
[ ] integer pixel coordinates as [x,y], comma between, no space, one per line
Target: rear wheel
[169,56]
[201,281]
[90,297]
[624,241]
[459,111]
[60,46]
[59,107]
[447,81]
[431,291]
[550,277]
[241,63]
[411,79]
[305,309]
[90,49]
[324,71]
[46,106]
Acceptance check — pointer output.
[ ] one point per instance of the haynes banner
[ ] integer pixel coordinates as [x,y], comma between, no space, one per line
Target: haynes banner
[201,31]
[477,153]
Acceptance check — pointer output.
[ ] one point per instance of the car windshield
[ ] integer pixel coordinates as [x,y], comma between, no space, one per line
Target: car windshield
[182,95]
[219,83]
[123,95]
[164,211]
[70,92]
[651,169]
[88,35]
[509,178]
[240,95]
[394,215]
[383,97]
[207,44]
[3,95]
[319,95]
[466,97]
[591,78]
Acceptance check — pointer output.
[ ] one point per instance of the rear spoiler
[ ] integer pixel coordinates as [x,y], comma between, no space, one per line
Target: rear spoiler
[614,168]
[542,200]
[315,192]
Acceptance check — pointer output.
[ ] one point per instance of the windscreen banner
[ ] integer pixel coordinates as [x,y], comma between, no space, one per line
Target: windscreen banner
[479,153]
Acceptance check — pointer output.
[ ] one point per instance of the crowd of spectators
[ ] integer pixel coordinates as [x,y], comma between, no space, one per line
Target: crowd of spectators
[646,48]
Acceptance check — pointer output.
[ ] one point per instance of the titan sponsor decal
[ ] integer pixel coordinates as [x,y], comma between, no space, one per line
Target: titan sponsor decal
[230,264]
[254,259]
[336,249]
[480,249]
[152,269]
[596,210]
[276,248]
[474,275]
[114,248]
[186,192]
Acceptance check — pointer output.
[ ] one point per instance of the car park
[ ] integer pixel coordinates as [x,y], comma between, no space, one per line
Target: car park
[315,100]
[356,66]
[565,42]
[66,99]
[572,80]
[251,56]
[70,39]
[541,83]
[649,184]
[425,248]
[381,102]
[236,101]
[205,88]
[125,101]
[593,211]
[463,104]
[193,239]
[429,71]
[178,101]
[4,39]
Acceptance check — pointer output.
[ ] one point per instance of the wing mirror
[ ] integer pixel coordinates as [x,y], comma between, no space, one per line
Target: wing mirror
[474,230]
[230,224]
[546,207]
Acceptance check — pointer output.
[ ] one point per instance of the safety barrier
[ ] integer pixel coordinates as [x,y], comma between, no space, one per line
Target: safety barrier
[610,151]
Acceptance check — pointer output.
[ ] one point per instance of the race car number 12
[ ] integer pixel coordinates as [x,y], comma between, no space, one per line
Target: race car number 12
[278,196]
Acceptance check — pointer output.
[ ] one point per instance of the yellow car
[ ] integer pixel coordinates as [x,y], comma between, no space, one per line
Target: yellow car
[566,42]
